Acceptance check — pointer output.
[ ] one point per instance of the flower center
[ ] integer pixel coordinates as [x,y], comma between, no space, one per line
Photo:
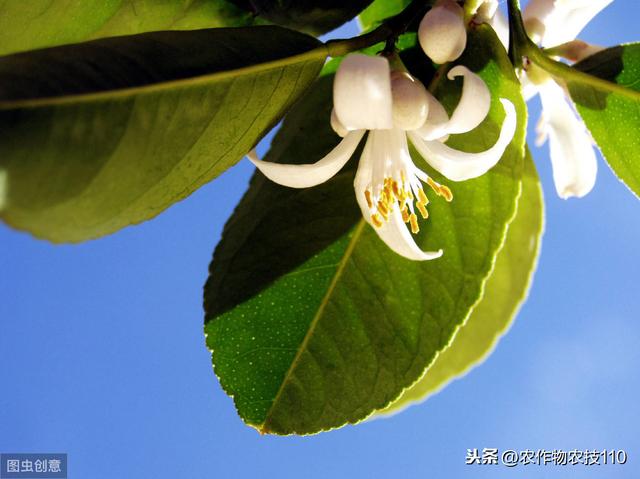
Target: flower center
[397,183]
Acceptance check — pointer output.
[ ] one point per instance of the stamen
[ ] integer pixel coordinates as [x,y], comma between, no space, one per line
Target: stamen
[422,198]
[375,219]
[405,214]
[382,209]
[446,193]
[440,190]
[423,210]
[367,195]
[413,220]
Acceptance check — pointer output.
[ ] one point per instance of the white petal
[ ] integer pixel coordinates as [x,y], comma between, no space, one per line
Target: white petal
[398,238]
[500,25]
[337,127]
[363,178]
[305,176]
[555,22]
[442,33]
[472,108]
[577,50]
[529,89]
[569,25]
[362,93]
[410,101]
[572,155]
[436,120]
[459,165]
[536,15]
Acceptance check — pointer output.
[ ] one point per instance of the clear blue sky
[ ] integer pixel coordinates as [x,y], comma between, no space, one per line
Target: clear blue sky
[102,352]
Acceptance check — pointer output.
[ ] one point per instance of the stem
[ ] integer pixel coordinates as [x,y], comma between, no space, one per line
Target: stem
[389,30]
[520,45]
[518,38]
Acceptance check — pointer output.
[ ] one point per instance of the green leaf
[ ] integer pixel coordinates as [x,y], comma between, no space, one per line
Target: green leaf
[101,135]
[311,16]
[613,116]
[312,321]
[379,11]
[505,291]
[31,24]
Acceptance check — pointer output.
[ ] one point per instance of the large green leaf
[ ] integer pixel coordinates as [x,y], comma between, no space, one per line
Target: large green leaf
[31,24]
[613,117]
[504,293]
[101,135]
[312,321]
[312,16]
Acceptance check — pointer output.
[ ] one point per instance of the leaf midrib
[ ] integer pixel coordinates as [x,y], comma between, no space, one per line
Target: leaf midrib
[315,54]
[323,304]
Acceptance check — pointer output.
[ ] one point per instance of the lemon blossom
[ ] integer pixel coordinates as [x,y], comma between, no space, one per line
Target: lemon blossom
[394,106]
[556,23]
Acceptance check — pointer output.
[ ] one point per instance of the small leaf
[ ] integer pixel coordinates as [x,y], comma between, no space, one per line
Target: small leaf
[312,321]
[613,117]
[311,16]
[101,135]
[379,11]
[31,24]
[504,293]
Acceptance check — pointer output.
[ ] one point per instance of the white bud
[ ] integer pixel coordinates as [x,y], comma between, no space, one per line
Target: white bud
[410,101]
[362,93]
[442,32]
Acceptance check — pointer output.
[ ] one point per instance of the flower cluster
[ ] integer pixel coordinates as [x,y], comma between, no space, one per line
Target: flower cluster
[395,108]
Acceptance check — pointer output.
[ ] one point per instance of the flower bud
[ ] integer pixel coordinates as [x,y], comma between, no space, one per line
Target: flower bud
[442,33]
[410,101]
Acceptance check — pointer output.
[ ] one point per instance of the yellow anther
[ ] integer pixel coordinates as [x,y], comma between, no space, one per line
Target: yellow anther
[413,221]
[375,219]
[441,190]
[405,214]
[423,210]
[367,195]
[446,193]
[382,208]
[434,186]
[410,195]
[396,189]
[422,198]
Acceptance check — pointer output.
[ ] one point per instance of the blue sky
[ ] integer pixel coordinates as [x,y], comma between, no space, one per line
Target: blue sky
[102,353]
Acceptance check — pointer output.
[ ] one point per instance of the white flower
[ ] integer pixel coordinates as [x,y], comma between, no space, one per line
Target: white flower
[442,33]
[552,23]
[556,23]
[392,106]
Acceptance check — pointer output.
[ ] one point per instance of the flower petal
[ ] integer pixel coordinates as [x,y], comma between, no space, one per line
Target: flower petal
[436,119]
[397,237]
[459,165]
[529,89]
[362,93]
[572,155]
[553,22]
[305,176]
[500,25]
[472,108]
